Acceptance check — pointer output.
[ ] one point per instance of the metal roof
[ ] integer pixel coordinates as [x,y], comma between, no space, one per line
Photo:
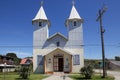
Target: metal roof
[41,15]
[74,14]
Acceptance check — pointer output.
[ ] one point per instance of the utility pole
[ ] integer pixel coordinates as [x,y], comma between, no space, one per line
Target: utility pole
[99,18]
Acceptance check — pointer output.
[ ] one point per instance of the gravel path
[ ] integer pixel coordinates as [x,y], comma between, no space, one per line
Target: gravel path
[54,77]
[58,76]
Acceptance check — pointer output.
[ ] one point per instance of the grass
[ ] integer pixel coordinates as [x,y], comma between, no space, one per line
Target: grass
[15,76]
[95,77]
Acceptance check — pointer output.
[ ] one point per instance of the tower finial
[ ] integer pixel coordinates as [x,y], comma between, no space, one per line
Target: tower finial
[73,2]
[41,3]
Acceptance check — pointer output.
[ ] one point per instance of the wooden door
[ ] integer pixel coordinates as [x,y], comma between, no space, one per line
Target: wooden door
[60,64]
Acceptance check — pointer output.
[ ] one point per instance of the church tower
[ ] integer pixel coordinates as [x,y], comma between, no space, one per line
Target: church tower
[41,25]
[74,26]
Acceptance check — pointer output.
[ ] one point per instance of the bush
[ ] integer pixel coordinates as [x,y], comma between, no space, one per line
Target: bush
[24,72]
[87,71]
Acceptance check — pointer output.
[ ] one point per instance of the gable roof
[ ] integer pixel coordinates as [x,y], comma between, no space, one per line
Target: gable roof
[57,34]
[59,49]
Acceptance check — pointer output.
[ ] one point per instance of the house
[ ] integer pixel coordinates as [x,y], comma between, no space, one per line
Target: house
[6,64]
[26,61]
[57,53]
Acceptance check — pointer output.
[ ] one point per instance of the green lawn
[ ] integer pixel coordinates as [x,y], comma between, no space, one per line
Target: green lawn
[95,77]
[15,76]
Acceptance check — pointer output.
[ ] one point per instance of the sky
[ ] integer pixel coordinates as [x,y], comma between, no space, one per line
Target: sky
[16,29]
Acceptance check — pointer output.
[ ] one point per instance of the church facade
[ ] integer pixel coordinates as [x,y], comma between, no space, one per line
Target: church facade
[57,53]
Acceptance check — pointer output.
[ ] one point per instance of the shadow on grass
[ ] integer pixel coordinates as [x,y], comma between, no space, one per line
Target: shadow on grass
[21,79]
[81,78]
[94,77]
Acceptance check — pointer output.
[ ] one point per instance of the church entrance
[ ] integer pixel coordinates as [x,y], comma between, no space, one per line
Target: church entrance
[58,63]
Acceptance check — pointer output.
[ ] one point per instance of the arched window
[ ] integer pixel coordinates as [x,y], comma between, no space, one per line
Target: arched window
[75,23]
[40,24]
[58,44]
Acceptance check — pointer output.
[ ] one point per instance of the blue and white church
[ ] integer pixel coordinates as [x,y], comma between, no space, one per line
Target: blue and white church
[58,53]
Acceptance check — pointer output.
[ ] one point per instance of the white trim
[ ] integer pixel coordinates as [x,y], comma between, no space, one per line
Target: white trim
[56,35]
[61,50]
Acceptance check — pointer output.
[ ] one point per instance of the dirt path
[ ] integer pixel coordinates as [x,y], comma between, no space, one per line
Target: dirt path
[116,74]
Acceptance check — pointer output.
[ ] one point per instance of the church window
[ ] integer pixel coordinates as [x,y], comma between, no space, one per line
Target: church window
[76,59]
[58,44]
[40,23]
[75,23]
[40,60]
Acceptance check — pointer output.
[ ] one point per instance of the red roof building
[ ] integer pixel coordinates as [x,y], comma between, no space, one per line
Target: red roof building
[26,61]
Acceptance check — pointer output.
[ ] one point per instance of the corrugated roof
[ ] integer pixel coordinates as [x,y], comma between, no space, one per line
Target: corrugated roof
[23,61]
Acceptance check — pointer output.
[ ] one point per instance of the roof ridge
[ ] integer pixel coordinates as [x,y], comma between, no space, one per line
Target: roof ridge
[58,33]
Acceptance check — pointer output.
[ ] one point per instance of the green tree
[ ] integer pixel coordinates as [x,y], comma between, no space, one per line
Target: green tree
[15,58]
[117,58]
[24,72]
[13,55]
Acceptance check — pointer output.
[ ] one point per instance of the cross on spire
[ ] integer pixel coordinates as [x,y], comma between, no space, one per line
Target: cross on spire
[73,2]
[41,3]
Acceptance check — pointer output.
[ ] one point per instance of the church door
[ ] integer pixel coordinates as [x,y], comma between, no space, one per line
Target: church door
[60,64]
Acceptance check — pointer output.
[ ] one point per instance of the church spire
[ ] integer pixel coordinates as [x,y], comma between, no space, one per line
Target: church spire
[41,14]
[74,14]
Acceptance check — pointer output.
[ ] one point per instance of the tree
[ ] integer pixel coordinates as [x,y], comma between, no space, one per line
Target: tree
[15,58]
[24,72]
[117,58]
[13,55]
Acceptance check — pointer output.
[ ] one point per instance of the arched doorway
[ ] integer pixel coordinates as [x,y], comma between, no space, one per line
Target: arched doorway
[58,63]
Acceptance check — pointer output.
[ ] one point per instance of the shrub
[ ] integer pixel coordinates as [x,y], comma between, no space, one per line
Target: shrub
[24,72]
[87,71]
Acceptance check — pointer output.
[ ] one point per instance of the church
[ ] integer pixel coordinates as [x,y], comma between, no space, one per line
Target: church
[58,53]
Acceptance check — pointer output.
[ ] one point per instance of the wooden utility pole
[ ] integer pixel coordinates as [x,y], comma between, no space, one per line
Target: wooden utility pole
[101,12]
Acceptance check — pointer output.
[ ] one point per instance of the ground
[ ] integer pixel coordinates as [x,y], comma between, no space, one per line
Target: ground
[15,76]
[116,74]
[56,76]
